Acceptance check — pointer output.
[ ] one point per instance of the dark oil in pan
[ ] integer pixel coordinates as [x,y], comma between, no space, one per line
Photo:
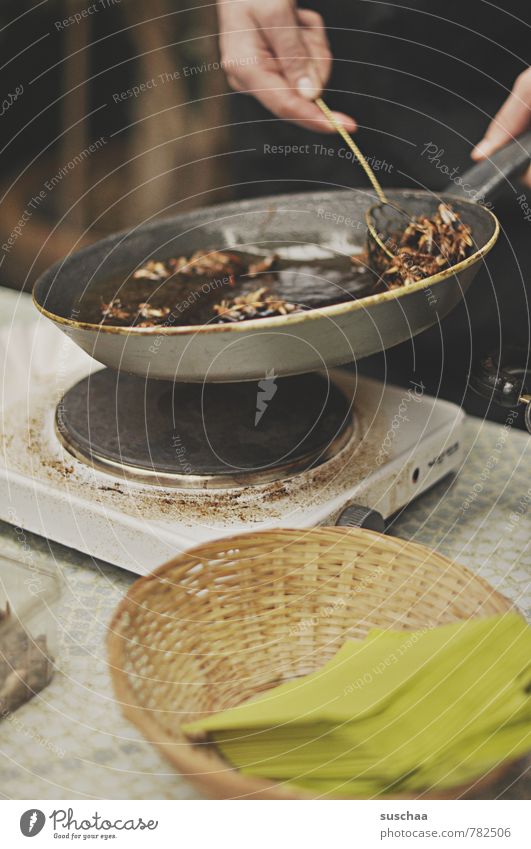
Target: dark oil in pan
[308,284]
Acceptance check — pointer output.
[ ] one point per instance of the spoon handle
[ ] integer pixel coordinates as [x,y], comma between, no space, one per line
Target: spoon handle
[349,141]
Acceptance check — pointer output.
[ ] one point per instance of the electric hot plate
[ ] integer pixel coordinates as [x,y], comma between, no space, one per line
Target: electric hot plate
[189,435]
[150,470]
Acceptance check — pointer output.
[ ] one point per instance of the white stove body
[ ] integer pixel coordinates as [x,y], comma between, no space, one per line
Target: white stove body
[404,442]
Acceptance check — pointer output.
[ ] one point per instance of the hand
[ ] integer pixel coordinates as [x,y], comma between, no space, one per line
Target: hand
[511,121]
[280,54]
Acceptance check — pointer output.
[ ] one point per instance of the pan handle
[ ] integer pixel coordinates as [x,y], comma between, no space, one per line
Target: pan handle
[486,180]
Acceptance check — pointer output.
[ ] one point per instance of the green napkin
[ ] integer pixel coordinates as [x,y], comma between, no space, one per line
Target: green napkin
[396,711]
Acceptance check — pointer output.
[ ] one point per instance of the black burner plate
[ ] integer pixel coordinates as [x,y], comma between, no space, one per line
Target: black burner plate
[203,435]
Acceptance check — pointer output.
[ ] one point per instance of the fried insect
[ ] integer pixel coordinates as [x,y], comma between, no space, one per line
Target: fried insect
[116,310]
[222,267]
[261,265]
[428,246]
[200,264]
[256,304]
[152,271]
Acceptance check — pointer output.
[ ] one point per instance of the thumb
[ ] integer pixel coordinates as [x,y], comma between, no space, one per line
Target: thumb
[512,119]
[282,29]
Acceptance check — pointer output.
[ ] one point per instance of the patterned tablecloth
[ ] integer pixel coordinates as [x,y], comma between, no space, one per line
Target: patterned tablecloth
[72,742]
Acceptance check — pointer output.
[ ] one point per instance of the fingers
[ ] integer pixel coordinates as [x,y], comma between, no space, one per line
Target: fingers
[292,58]
[513,118]
[314,35]
[273,92]
[279,23]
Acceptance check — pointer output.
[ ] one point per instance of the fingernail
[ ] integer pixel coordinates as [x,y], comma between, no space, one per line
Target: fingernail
[306,88]
[482,149]
[347,123]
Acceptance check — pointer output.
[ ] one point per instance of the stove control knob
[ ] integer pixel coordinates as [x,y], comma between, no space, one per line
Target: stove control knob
[356,516]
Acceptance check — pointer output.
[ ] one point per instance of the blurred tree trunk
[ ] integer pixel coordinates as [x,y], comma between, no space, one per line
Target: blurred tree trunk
[167,134]
[159,159]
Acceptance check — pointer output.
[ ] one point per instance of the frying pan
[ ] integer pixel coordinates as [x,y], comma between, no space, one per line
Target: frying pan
[283,345]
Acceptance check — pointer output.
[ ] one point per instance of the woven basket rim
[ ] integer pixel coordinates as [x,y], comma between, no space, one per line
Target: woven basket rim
[187,758]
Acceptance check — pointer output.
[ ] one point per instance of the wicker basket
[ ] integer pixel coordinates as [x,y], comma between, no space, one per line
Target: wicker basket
[232,618]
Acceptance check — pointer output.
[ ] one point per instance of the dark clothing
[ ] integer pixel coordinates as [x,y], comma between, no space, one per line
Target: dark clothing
[414,77]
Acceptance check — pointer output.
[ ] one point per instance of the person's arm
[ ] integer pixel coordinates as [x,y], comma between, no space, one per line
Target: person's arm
[280,54]
[511,121]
